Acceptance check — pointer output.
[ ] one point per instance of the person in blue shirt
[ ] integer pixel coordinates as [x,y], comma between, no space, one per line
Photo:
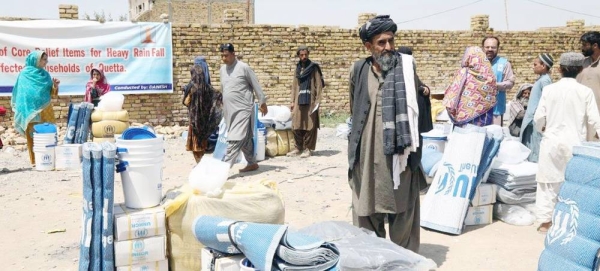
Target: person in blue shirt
[505,77]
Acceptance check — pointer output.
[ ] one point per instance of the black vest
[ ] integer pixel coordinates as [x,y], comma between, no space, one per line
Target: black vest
[360,110]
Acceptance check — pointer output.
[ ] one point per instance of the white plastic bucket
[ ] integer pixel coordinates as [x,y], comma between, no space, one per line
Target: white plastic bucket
[140,142]
[435,143]
[44,158]
[47,135]
[142,185]
[156,160]
[141,156]
[261,148]
[140,148]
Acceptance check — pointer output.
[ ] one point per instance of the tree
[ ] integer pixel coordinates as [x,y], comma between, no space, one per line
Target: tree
[101,17]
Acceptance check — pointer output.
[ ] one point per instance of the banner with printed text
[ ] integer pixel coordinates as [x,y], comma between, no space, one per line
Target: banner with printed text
[136,57]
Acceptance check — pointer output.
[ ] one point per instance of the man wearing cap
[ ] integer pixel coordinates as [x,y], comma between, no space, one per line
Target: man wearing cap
[529,136]
[563,112]
[590,76]
[383,145]
[239,85]
[505,76]
[307,89]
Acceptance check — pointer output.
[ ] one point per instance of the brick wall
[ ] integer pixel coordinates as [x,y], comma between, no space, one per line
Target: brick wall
[270,51]
[69,12]
[197,11]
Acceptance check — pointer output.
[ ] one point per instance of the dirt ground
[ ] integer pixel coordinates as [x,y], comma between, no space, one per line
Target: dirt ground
[314,189]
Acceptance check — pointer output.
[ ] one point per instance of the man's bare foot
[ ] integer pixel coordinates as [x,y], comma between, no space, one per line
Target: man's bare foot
[544,227]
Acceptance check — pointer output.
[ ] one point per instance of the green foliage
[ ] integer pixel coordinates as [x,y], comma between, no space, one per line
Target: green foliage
[102,17]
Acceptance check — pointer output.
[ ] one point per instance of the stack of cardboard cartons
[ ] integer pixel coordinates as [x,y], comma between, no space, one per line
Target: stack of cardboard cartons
[482,205]
[140,239]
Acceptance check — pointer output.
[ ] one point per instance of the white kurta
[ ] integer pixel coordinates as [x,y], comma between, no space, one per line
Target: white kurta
[565,109]
[239,85]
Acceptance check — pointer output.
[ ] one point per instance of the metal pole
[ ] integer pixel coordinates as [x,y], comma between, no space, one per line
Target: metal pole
[506,13]
[170,12]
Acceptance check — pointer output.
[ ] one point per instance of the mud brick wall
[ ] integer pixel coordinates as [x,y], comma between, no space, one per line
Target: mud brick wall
[271,51]
[196,11]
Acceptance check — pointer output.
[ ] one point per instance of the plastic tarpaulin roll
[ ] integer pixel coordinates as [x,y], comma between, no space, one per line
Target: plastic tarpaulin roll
[264,244]
[573,241]
[96,245]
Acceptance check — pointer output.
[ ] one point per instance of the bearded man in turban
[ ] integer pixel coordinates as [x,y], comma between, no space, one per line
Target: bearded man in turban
[384,144]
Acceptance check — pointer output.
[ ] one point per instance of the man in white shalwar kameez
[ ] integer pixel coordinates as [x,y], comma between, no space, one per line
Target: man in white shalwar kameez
[564,111]
[239,85]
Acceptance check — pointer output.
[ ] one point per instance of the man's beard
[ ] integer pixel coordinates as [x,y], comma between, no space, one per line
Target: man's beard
[588,52]
[524,102]
[386,60]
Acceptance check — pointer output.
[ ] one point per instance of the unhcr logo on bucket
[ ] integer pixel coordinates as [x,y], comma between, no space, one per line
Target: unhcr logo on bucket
[46,158]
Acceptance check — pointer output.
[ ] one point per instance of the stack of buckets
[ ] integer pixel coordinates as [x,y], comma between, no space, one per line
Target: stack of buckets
[44,142]
[140,166]
[261,141]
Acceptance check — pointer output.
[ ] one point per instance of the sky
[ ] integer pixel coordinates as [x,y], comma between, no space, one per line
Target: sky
[408,14]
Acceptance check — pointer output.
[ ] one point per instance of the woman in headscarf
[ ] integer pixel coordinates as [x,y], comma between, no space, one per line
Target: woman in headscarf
[31,97]
[204,108]
[96,87]
[517,109]
[471,97]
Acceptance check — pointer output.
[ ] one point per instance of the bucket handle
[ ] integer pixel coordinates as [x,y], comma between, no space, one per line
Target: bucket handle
[122,150]
[52,145]
[122,166]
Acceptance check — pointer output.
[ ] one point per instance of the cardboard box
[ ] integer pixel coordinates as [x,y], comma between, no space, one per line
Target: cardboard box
[139,251]
[68,157]
[445,127]
[155,266]
[229,263]
[484,194]
[480,215]
[138,223]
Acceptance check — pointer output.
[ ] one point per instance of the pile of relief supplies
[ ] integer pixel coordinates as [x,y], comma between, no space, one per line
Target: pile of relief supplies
[220,225]
[329,245]
[278,130]
[457,197]
[516,185]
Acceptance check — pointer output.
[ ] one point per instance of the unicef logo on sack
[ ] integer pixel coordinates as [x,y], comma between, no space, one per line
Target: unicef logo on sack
[565,224]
